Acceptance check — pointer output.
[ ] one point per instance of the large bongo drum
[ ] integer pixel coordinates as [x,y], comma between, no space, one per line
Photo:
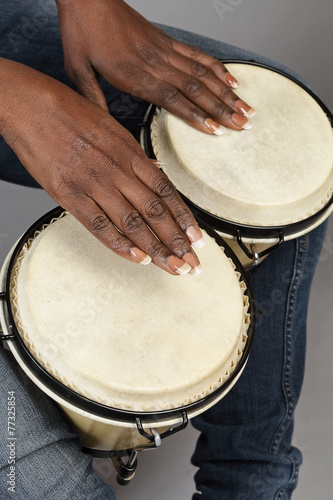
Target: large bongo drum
[258,187]
[129,352]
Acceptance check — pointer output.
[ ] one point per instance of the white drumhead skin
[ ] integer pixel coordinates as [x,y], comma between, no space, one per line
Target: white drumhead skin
[279,172]
[122,334]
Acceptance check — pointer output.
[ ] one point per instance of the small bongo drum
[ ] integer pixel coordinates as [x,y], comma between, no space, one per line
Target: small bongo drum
[129,352]
[260,187]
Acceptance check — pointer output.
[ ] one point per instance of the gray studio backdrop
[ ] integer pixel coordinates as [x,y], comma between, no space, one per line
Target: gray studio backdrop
[298,33]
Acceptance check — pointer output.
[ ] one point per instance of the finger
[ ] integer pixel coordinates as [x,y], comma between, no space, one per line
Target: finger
[166,95]
[171,251]
[163,188]
[86,81]
[137,240]
[195,73]
[223,108]
[99,224]
[215,66]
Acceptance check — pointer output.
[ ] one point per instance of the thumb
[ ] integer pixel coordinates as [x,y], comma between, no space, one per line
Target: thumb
[88,85]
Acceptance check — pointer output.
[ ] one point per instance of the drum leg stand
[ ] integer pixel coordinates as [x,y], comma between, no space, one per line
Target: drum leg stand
[126,469]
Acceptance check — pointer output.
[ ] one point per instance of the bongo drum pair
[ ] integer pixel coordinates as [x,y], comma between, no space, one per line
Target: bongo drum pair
[130,353]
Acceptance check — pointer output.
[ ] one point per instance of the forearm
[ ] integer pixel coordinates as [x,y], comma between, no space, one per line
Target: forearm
[28,100]
[19,88]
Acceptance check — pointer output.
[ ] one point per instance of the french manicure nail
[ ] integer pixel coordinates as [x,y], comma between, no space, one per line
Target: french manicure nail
[241,121]
[158,164]
[178,265]
[191,259]
[214,127]
[140,256]
[245,109]
[248,125]
[196,270]
[194,262]
[195,237]
[231,81]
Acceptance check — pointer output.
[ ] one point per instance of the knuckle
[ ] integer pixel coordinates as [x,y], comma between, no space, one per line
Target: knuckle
[183,215]
[96,175]
[164,188]
[149,55]
[155,210]
[199,70]
[179,243]
[116,241]
[193,51]
[227,95]
[99,223]
[195,114]
[169,95]
[132,221]
[129,69]
[64,186]
[222,111]
[192,86]
[218,67]
[156,250]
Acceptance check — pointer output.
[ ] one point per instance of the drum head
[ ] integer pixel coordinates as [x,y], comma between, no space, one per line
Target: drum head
[276,174]
[124,336]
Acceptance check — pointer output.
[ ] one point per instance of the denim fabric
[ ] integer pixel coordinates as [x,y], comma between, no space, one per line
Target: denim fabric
[49,462]
[245,451]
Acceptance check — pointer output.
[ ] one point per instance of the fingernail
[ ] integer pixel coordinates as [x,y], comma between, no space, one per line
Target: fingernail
[158,164]
[140,256]
[178,265]
[194,262]
[196,270]
[231,81]
[213,127]
[241,121]
[195,237]
[245,109]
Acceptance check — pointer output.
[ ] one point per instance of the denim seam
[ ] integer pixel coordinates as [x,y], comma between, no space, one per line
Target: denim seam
[293,477]
[301,245]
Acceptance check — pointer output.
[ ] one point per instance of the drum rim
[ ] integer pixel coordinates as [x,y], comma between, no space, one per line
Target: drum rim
[225,225]
[83,403]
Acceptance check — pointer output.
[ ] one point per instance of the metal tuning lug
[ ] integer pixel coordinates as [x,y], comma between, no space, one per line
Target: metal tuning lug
[5,336]
[253,254]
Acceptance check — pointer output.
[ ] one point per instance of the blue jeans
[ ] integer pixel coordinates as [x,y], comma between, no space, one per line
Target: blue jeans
[245,451]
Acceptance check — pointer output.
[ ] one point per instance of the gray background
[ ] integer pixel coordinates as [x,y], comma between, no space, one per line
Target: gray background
[297,33]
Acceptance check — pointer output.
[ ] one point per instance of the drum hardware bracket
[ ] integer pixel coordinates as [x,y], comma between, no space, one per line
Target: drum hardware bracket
[5,336]
[253,254]
[172,430]
[126,471]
